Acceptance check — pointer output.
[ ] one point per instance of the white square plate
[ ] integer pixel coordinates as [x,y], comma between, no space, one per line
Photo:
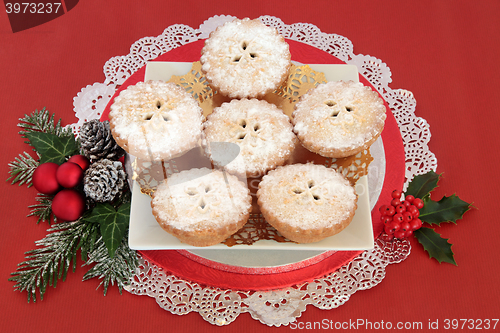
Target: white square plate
[146,234]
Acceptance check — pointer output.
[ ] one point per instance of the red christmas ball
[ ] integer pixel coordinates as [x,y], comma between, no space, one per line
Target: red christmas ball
[69,175]
[68,205]
[44,178]
[81,160]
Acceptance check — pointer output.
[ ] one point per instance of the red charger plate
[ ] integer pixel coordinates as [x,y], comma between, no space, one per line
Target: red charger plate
[206,272]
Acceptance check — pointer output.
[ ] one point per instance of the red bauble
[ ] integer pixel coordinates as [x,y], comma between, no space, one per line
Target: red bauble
[44,178]
[69,175]
[68,205]
[81,160]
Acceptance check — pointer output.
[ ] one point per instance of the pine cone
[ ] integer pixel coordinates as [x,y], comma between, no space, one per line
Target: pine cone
[104,180]
[97,142]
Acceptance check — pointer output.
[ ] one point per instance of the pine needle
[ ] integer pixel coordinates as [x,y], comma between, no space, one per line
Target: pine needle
[22,168]
[51,261]
[43,209]
[118,269]
[42,121]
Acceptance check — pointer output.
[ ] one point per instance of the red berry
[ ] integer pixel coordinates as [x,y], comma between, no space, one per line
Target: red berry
[68,205]
[415,224]
[44,178]
[406,203]
[409,198]
[405,226]
[398,218]
[386,219]
[407,217]
[81,160]
[383,209]
[396,194]
[399,234]
[418,203]
[394,226]
[390,211]
[391,228]
[408,233]
[387,210]
[414,211]
[400,209]
[395,202]
[69,175]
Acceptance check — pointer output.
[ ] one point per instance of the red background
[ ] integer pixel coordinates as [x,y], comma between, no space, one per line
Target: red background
[445,52]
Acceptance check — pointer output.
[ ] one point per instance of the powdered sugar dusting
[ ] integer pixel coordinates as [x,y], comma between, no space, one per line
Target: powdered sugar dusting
[261,130]
[307,196]
[339,115]
[193,197]
[157,120]
[245,58]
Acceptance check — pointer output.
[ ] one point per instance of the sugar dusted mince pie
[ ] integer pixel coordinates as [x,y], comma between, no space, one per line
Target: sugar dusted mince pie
[307,202]
[262,132]
[339,119]
[245,58]
[156,120]
[201,207]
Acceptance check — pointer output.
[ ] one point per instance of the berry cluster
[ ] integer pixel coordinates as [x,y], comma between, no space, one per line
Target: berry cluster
[50,178]
[401,217]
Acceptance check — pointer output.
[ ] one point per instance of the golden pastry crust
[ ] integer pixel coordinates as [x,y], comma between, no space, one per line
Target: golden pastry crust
[262,132]
[156,120]
[245,58]
[339,119]
[306,202]
[201,207]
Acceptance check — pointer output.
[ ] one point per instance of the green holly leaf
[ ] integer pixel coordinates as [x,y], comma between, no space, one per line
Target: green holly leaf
[51,147]
[113,223]
[436,246]
[448,209]
[422,185]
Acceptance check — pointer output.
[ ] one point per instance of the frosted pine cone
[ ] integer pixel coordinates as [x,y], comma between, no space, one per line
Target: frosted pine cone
[97,142]
[104,180]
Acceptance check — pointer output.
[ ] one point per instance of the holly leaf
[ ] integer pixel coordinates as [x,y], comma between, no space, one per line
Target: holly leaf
[436,246]
[448,209]
[113,223]
[51,147]
[422,185]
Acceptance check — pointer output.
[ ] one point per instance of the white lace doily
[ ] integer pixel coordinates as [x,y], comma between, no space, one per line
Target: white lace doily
[283,306]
